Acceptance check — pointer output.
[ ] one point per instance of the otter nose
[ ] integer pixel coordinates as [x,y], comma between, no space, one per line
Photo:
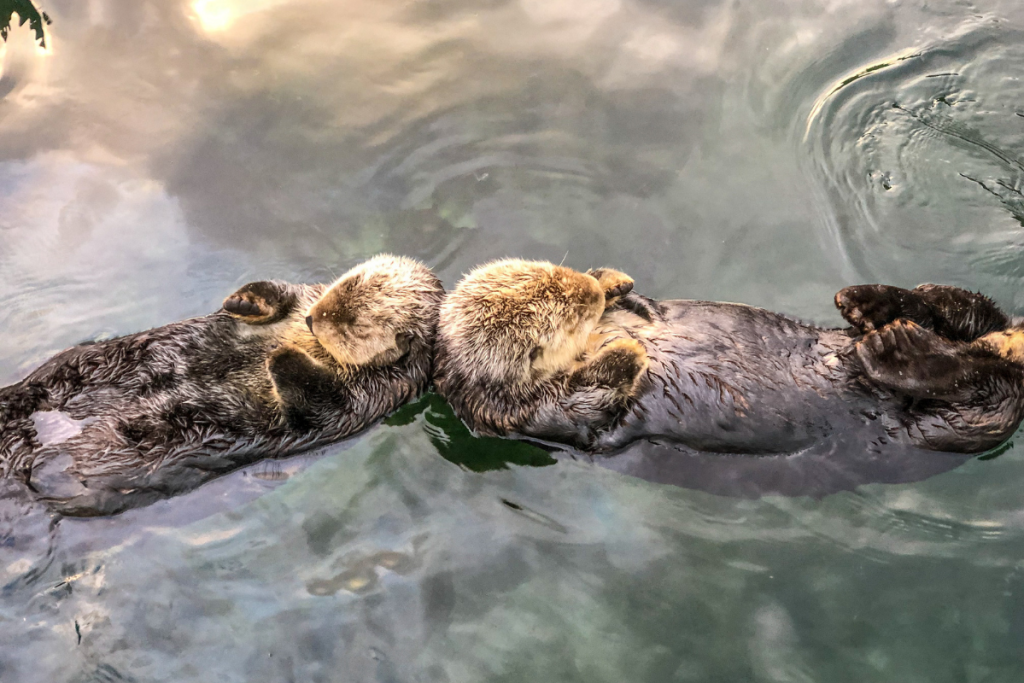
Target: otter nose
[309,324]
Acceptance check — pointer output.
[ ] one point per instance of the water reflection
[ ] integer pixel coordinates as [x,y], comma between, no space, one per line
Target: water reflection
[159,153]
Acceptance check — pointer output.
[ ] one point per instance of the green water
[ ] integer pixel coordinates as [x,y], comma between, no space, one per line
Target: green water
[158,154]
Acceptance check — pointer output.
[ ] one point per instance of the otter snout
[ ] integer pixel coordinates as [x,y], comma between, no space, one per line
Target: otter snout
[309,324]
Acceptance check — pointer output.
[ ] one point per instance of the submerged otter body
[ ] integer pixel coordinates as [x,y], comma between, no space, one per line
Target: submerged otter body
[156,413]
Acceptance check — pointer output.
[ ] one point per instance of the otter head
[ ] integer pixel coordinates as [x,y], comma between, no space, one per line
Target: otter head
[518,322]
[373,314]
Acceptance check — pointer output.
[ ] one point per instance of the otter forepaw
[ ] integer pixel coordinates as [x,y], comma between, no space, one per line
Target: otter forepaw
[619,364]
[258,303]
[289,364]
[869,307]
[909,358]
[613,282]
[303,387]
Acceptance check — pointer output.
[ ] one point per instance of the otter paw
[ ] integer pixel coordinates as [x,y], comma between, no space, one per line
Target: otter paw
[256,302]
[869,307]
[613,282]
[619,364]
[290,364]
[906,356]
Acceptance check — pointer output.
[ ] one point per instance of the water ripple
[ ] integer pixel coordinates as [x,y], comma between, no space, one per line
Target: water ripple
[921,155]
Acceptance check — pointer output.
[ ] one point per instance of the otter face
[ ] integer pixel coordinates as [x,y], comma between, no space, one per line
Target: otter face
[372,313]
[519,321]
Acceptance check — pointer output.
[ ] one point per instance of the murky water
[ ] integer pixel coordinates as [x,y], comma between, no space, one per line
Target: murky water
[162,153]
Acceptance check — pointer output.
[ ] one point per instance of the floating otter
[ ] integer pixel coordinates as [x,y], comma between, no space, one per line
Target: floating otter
[531,349]
[280,369]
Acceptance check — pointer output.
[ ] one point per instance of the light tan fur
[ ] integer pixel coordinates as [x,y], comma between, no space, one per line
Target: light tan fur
[1008,343]
[362,316]
[357,321]
[524,321]
[517,350]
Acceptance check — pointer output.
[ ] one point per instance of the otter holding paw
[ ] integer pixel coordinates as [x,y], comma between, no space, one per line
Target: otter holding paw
[935,368]
[516,353]
[280,369]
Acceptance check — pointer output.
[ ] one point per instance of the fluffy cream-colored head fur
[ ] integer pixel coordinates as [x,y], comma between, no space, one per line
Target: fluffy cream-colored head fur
[369,315]
[518,321]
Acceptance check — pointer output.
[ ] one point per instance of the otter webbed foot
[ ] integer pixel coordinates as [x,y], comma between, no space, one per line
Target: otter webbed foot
[961,314]
[951,312]
[260,303]
[613,282]
[618,365]
[871,307]
[909,359]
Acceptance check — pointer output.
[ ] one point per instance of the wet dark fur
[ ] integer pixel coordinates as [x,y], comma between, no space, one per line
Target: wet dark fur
[736,379]
[729,378]
[183,403]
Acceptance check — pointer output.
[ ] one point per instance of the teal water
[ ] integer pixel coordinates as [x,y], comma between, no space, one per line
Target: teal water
[158,154]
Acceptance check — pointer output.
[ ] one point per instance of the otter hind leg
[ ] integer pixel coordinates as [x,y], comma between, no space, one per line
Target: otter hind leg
[951,312]
[259,303]
[960,314]
[613,282]
[907,358]
[871,307]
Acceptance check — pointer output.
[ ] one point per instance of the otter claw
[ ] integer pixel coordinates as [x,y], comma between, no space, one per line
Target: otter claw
[905,356]
[620,289]
[613,282]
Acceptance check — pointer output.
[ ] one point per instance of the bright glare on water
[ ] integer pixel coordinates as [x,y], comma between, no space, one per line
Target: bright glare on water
[159,153]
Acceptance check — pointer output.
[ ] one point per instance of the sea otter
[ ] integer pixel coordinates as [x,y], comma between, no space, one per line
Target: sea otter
[279,369]
[536,350]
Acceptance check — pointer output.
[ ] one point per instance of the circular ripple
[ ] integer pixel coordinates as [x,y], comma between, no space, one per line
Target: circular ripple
[922,160]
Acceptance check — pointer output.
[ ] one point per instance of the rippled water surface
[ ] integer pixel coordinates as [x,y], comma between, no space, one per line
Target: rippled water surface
[158,154]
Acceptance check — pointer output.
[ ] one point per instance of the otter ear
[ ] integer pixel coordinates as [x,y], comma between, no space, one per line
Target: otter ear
[403,342]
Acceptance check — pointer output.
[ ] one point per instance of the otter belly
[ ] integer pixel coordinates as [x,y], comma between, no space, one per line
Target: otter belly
[737,379]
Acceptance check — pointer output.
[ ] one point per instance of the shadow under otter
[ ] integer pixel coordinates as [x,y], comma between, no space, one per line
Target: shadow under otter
[815,473]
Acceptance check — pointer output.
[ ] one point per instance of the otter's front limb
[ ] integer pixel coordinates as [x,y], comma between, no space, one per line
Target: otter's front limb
[261,303]
[594,396]
[602,389]
[614,283]
[617,367]
[951,312]
[304,387]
